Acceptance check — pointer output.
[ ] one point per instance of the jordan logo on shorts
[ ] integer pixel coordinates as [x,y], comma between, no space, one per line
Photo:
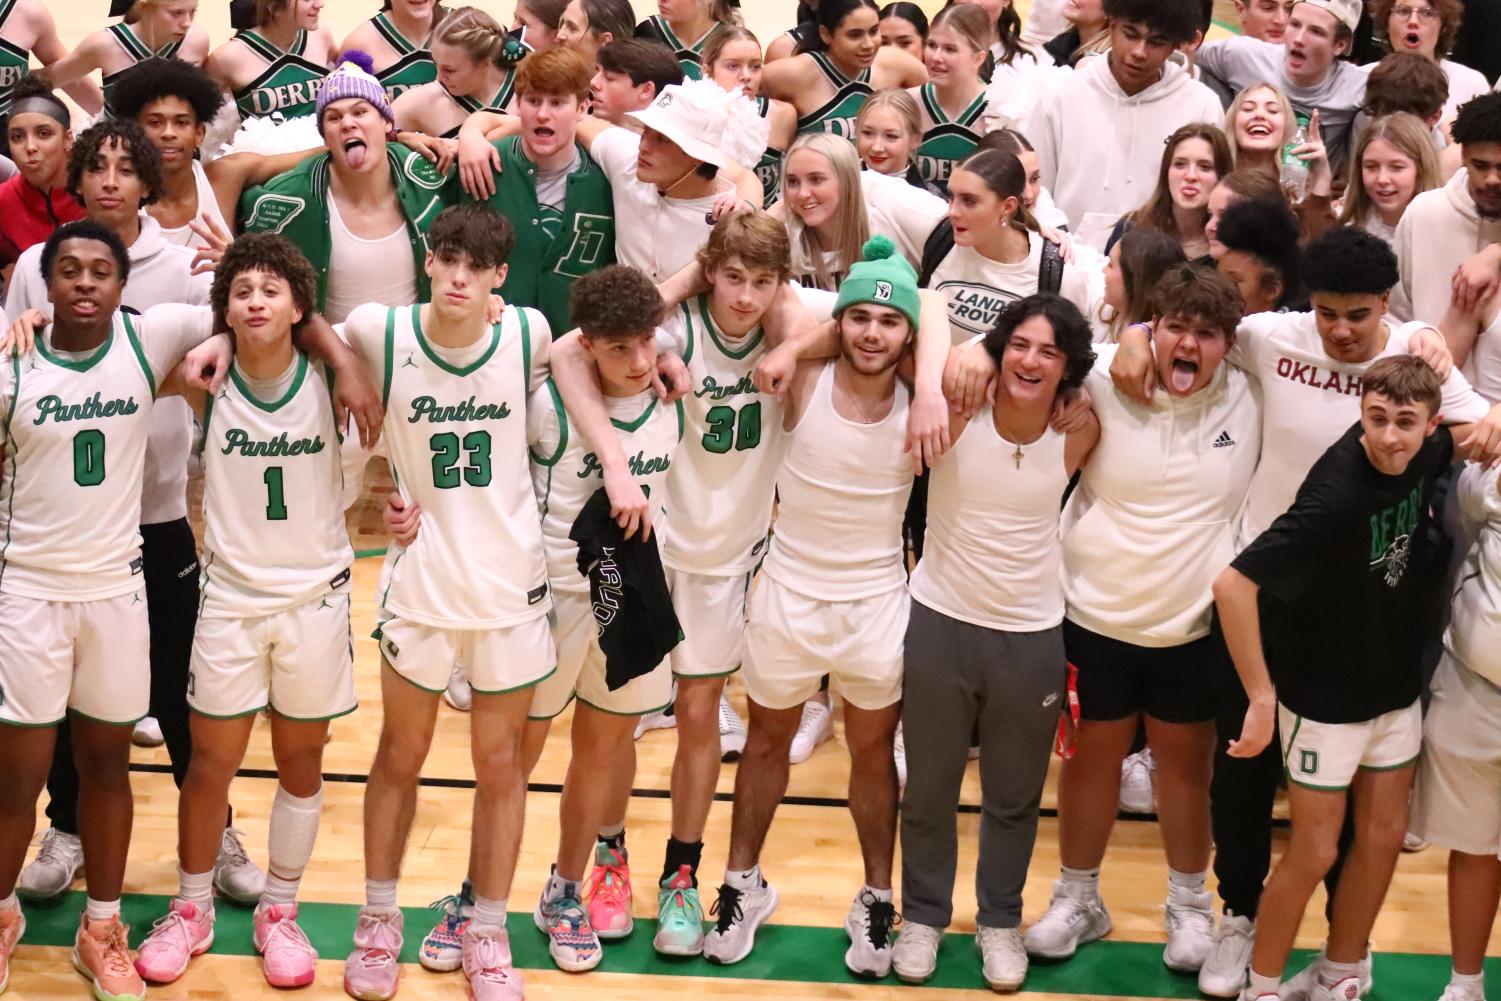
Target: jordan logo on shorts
[1308,762]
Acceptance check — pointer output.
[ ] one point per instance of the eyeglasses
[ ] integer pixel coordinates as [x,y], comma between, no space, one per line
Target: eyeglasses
[1404,11]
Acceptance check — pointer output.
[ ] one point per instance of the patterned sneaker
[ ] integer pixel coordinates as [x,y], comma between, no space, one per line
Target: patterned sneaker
[443,948]
[571,940]
[680,916]
[185,931]
[609,893]
[102,955]
[487,965]
[373,969]
[739,914]
[12,927]
[868,926]
[731,732]
[235,876]
[288,958]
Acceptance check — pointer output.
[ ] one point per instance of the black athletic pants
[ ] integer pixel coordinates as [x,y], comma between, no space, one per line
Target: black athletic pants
[1241,795]
[169,558]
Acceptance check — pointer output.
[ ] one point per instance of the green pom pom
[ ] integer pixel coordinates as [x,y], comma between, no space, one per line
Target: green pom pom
[878,248]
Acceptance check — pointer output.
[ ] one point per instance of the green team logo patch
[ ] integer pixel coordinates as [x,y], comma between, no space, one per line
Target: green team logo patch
[593,235]
[1308,762]
[422,173]
[392,650]
[271,213]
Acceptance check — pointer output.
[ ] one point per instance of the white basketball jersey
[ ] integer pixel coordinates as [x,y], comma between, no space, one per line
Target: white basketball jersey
[274,533]
[843,491]
[566,472]
[456,437]
[720,493]
[75,448]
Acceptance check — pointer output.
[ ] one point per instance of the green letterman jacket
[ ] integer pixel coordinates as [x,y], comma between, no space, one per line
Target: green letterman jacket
[295,204]
[543,269]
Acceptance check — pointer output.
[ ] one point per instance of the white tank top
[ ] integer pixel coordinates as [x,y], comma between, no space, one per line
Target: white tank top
[361,271]
[568,473]
[992,556]
[1483,367]
[208,211]
[720,493]
[75,447]
[274,533]
[456,438]
[842,492]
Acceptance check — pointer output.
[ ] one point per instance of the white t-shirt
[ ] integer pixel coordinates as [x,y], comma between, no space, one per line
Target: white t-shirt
[1465,84]
[654,233]
[978,288]
[361,270]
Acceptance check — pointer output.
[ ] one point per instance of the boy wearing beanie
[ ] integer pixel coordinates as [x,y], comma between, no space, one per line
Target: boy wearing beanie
[833,601]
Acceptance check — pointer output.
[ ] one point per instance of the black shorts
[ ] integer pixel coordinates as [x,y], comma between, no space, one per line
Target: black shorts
[1118,680]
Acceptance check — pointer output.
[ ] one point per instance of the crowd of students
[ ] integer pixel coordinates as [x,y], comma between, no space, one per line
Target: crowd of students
[1108,390]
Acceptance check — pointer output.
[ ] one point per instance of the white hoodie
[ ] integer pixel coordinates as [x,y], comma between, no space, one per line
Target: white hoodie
[159,272]
[1440,230]
[1100,149]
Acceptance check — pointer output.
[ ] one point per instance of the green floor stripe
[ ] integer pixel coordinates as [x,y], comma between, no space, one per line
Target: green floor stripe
[361,554]
[783,953]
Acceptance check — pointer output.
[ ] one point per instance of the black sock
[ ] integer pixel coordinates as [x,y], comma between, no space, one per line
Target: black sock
[679,854]
[616,841]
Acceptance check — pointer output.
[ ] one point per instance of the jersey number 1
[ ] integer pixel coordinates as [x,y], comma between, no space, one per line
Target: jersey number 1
[722,432]
[276,494]
[446,447]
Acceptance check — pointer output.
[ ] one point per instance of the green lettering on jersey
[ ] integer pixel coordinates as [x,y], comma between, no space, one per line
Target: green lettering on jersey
[91,408]
[468,410]
[238,440]
[714,391]
[639,465]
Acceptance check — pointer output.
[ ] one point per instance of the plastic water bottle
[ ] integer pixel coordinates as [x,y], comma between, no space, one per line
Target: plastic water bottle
[1295,168]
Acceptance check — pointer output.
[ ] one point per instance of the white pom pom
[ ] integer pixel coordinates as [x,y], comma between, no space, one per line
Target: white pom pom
[270,136]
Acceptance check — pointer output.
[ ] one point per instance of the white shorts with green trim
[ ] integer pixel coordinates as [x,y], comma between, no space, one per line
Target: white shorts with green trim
[793,640]
[1457,804]
[93,657]
[711,612]
[1327,755]
[298,661]
[581,668]
[497,661]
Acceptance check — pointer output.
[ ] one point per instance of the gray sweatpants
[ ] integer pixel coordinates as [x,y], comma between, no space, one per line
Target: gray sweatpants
[1013,685]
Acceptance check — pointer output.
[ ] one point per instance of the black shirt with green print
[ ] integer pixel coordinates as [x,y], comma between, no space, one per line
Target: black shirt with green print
[1344,576]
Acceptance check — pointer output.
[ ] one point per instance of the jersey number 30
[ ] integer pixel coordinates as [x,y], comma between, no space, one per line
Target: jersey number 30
[722,433]
[446,448]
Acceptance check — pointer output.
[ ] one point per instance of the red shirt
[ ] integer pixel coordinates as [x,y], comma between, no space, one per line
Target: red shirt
[28,216]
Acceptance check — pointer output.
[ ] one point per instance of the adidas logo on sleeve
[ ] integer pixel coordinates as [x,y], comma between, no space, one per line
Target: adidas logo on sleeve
[1224,440]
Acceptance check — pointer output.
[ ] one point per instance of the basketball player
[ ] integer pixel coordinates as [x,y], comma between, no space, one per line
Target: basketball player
[456,390]
[147,28]
[273,627]
[73,624]
[833,600]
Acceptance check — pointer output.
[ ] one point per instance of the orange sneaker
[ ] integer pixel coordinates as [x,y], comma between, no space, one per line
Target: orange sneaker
[101,954]
[12,927]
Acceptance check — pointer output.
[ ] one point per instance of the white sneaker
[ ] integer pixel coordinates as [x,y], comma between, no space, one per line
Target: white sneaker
[235,876]
[899,752]
[53,870]
[740,913]
[816,726]
[868,925]
[1459,992]
[1305,982]
[1190,929]
[1075,915]
[662,719]
[915,955]
[458,693]
[1224,973]
[1003,957]
[148,733]
[1136,782]
[1412,843]
[1347,989]
[731,732]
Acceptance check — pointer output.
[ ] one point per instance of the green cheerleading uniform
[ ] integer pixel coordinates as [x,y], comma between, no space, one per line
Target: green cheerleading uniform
[838,114]
[769,170]
[15,62]
[136,50]
[950,139]
[415,66]
[689,57]
[288,86]
[501,102]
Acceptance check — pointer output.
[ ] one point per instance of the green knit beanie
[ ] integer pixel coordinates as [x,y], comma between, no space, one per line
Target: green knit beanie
[884,278]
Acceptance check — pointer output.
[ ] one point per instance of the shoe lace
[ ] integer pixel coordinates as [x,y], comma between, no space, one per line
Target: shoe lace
[691,911]
[609,881]
[52,849]
[373,957]
[452,907]
[1193,918]
[174,924]
[117,952]
[491,959]
[727,909]
[231,849]
[566,908]
[812,719]
[287,934]
[882,916]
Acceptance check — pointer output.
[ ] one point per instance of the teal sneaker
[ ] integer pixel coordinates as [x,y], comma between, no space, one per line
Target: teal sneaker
[680,916]
[571,940]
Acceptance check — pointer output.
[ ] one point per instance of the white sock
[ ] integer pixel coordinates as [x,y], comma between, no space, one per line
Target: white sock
[1087,878]
[294,829]
[557,886]
[1455,977]
[102,910]
[611,831]
[1261,985]
[1332,973]
[489,912]
[747,879]
[1193,882]
[885,895]
[10,902]
[196,888]
[380,893]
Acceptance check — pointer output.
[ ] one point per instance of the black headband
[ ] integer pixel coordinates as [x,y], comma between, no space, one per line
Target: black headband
[119,8]
[241,14]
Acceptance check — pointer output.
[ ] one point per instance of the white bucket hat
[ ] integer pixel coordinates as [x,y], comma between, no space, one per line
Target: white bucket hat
[1346,12]
[709,123]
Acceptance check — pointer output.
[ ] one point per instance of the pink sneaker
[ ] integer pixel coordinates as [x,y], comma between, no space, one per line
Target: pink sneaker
[185,931]
[288,958]
[487,965]
[609,893]
[373,969]
[12,927]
